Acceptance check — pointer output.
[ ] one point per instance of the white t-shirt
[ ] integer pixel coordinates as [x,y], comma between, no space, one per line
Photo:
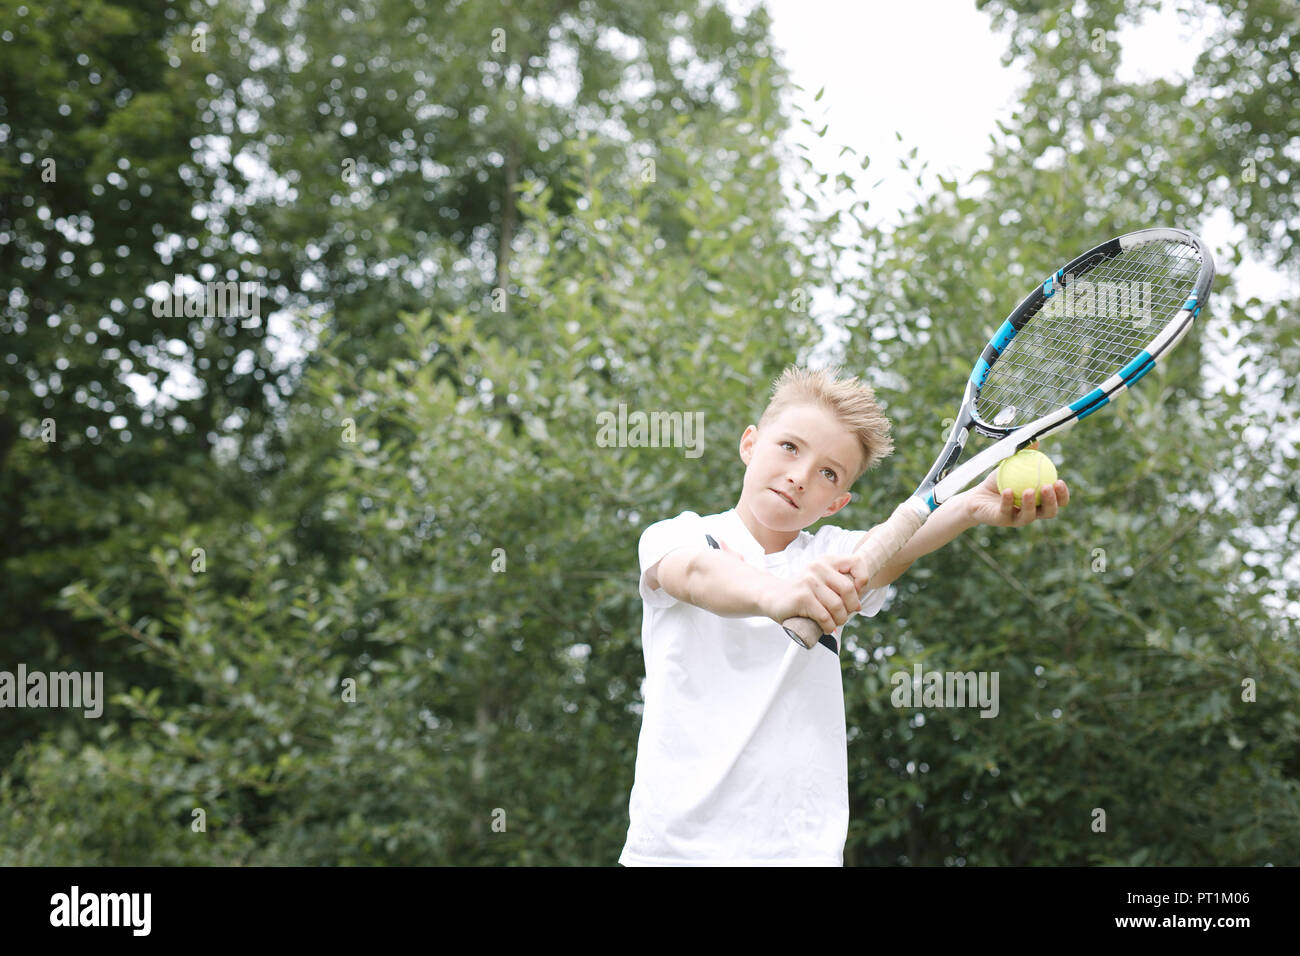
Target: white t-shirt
[742,758]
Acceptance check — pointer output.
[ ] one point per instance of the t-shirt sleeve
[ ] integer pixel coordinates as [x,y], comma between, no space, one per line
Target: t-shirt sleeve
[685,531]
[833,540]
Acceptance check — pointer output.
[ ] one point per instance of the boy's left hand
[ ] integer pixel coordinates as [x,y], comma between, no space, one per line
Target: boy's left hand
[989,506]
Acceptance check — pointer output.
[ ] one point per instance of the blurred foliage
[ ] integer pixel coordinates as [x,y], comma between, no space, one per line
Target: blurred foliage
[98,186]
[1226,138]
[415,618]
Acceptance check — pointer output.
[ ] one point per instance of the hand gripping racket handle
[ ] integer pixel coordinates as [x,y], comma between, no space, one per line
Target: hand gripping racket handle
[886,542]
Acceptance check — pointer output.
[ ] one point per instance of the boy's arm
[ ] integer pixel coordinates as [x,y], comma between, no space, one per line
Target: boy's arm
[720,582]
[713,580]
[948,520]
[983,504]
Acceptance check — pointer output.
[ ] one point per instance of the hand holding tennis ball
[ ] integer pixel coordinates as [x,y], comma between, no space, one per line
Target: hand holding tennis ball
[1006,506]
[1025,470]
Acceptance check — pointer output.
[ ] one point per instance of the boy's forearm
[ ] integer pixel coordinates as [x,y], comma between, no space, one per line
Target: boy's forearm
[717,582]
[948,520]
[723,584]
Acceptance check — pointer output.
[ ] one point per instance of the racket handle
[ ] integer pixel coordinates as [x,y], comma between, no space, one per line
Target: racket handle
[886,542]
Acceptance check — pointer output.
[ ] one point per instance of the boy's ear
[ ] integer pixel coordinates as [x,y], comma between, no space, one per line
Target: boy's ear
[747,443]
[838,504]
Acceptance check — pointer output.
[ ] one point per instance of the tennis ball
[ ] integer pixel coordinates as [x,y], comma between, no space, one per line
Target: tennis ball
[1026,469]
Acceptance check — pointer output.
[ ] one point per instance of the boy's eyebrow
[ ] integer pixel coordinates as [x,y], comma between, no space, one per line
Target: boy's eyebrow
[802,442]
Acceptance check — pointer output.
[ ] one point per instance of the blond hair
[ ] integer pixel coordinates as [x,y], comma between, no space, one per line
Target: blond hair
[850,400]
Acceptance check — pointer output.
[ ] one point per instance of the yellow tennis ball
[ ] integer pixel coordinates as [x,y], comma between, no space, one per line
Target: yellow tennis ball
[1024,470]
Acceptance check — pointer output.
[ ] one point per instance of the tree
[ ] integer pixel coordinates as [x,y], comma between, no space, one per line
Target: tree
[96,191]
[487,602]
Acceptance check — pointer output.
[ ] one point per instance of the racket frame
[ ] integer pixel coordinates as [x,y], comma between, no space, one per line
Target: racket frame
[942,482]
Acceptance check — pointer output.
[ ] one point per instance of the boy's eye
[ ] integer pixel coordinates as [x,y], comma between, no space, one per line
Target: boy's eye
[828,472]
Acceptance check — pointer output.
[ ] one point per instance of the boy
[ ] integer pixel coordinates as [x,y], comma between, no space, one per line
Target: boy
[742,758]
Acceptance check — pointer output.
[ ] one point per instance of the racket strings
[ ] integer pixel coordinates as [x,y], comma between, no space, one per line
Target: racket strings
[1093,325]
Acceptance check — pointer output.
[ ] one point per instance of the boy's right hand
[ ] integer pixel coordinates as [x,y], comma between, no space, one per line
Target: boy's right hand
[824,591]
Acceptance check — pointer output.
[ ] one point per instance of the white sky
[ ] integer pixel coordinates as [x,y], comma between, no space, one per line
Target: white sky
[928,69]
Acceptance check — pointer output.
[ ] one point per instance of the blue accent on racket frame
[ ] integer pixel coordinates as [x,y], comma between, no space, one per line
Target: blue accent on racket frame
[1049,287]
[980,373]
[1135,369]
[1004,334]
[1089,403]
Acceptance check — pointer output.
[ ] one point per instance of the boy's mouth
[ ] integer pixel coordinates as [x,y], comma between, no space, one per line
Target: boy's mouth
[787,498]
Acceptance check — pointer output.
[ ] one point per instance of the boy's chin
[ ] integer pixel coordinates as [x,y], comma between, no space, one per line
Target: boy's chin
[777,514]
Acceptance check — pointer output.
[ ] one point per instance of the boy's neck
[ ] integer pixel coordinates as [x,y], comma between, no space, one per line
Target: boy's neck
[771,541]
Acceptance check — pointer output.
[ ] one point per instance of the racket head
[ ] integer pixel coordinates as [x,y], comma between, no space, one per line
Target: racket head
[1093,328]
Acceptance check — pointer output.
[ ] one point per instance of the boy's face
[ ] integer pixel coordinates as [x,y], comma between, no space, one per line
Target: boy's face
[798,470]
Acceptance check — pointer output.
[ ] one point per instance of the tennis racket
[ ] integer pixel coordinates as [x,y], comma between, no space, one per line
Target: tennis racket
[1095,327]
